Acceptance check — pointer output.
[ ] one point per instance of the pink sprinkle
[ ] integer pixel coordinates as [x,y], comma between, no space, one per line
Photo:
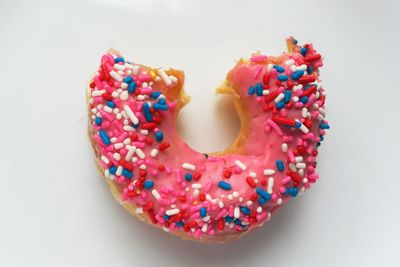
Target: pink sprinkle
[178,176]
[287,138]
[221,214]
[285,180]
[275,126]
[230,211]
[208,186]
[154,172]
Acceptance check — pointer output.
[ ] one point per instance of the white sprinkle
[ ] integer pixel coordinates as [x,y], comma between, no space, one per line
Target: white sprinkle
[301,172]
[119,116]
[235,194]
[140,97]
[220,204]
[284,147]
[105,159]
[119,90]
[144,132]
[115,76]
[134,159]
[135,70]
[188,166]
[279,97]
[131,115]
[207,218]
[116,110]
[139,210]
[196,192]
[131,151]
[303,128]
[293,68]
[209,198]
[106,173]
[117,156]
[129,128]
[113,139]
[289,62]
[292,167]
[164,77]
[204,228]
[124,95]
[154,152]
[112,177]
[270,185]
[269,172]
[259,210]
[94,110]
[108,109]
[127,141]
[295,99]
[230,197]
[300,165]
[119,67]
[119,171]
[240,165]
[118,145]
[172,212]
[173,78]
[298,159]
[265,92]
[249,203]
[197,186]
[305,180]
[269,67]
[279,201]
[236,212]
[240,199]
[140,153]
[115,94]
[302,67]
[304,112]
[124,85]
[98,93]
[155,194]
[252,174]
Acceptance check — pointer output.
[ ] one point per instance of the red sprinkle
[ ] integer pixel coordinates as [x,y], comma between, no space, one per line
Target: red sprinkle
[149,125]
[310,91]
[312,57]
[164,146]
[227,173]
[283,120]
[251,182]
[221,224]
[295,176]
[196,176]
[307,79]
[271,96]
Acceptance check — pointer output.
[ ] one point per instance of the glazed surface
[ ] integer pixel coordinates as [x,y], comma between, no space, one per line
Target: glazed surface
[133,110]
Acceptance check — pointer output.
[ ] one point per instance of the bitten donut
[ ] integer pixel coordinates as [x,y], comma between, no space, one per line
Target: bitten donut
[156,176]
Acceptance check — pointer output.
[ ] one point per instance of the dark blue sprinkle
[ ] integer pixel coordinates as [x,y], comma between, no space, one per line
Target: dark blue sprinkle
[119,59]
[112,169]
[98,121]
[295,41]
[147,112]
[297,74]
[321,138]
[279,68]
[162,101]
[110,104]
[135,125]
[280,105]
[304,99]
[298,124]
[245,210]
[104,137]
[188,177]
[263,194]
[303,51]
[127,173]
[148,184]
[128,79]
[282,78]
[288,95]
[251,90]
[309,70]
[159,136]
[324,126]
[203,212]
[293,191]
[160,107]
[166,217]
[259,89]
[131,87]
[179,224]
[225,185]
[228,219]
[262,201]
[154,95]
[238,222]
[279,165]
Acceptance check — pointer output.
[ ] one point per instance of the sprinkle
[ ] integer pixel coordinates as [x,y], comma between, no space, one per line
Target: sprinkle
[172,212]
[284,121]
[263,194]
[147,112]
[128,79]
[302,127]
[154,152]
[98,93]
[240,165]
[284,147]
[155,194]
[188,177]
[127,173]
[324,126]
[159,136]
[297,74]
[164,77]
[236,212]
[203,212]
[251,90]
[155,95]
[104,137]
[105,159]
[250,181]
[98,121]
[245,210]
[188,166]
[160,106]
[259,89]
[119,59]
[132,87]
[279,97]
[269,172]
[140,153]
[197,186]
[224,185]
[279,68]
[279,165]
[270,185]
[282,78]
[148,184]
[131,115]
[115,76]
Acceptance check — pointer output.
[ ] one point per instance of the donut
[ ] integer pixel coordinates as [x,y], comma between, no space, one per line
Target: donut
[214,197]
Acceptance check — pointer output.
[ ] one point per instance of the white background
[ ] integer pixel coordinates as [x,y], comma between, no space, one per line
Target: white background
[57,211]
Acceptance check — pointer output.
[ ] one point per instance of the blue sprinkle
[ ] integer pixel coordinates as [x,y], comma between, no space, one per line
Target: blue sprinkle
[288,95]
[159,136]
[303,51]
[228,219]
[262,201]
[128,79]
[98,121]
[295,41]
[112,169]
[298,124]
[259,89]
[238,222]
[147,112]
[225,185]
[159,106]
[148,184]
[154,95]
[251,90]
[203,212]
[119,59]
[324,126]
[304,99]
[188,177]
[166,217]
[110,104]
[293,191]
[321,138]
[309,69]
[297,74]
[245,210]
[263,194]
[279,68]
[279,165]
[127,173]
[104,137]
[282,78]
[162,101]
[131,87]
[280,105]
[179,224]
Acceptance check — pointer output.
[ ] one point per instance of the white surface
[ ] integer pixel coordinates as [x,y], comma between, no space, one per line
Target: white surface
[57,211]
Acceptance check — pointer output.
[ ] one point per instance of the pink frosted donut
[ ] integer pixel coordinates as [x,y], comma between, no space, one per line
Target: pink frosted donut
[218,197]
